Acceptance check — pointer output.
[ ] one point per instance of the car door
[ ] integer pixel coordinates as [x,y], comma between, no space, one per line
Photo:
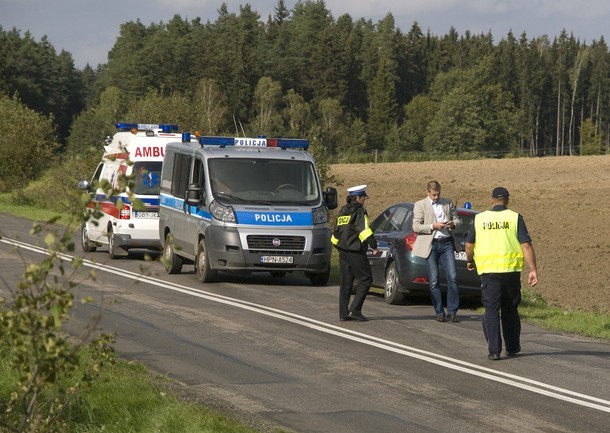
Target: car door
[387,230]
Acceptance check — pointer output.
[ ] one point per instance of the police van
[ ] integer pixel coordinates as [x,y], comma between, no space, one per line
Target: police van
[131,168]
[245,205]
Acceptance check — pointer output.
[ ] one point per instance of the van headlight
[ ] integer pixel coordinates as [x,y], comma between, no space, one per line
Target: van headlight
[320,215]
[222,213]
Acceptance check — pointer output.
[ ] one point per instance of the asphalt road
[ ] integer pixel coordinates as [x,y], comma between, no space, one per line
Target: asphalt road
[274,349]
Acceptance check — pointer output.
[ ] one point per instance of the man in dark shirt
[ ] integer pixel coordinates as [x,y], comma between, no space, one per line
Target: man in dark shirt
[498,244]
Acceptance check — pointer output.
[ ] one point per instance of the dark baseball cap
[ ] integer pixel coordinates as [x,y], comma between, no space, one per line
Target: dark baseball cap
[499,192]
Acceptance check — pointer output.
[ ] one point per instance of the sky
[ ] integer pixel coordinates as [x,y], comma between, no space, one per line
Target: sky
[88,29]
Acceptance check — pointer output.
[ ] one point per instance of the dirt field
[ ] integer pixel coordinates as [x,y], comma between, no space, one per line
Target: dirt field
[565,202]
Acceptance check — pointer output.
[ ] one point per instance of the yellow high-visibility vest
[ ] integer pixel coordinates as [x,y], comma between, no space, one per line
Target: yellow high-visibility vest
[497,248]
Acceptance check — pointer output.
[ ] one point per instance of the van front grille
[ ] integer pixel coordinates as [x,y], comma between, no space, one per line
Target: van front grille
[266,243]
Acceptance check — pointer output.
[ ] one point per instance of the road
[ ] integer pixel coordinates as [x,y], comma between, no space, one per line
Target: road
[274,349]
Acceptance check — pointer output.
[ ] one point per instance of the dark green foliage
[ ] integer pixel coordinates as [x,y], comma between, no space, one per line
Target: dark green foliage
[43,80]
[208,73]
[27,144]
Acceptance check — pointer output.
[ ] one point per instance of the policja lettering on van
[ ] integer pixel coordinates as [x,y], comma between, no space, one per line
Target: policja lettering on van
[273,218]
[252,142]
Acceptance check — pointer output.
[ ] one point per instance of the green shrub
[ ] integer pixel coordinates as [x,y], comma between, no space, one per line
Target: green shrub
[45,370]
[56,189]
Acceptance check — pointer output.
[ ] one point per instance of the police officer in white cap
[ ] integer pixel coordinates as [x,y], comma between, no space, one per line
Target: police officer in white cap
[352,237]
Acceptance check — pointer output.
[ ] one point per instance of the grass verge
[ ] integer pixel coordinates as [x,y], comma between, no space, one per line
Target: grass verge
[535,310]
[7,206]
[129,398]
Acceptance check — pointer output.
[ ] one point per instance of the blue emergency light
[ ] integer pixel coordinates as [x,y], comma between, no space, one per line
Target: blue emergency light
[282,143]
[164,127]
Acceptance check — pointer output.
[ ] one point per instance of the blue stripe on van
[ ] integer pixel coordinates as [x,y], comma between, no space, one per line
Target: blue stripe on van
[153,201]
[178,204]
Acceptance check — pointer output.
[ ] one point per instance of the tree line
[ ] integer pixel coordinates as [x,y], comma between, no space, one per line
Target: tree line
[352,86]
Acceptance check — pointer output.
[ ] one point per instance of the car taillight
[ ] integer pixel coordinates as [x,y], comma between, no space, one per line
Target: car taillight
[422,280]
[410,240]
[125,212]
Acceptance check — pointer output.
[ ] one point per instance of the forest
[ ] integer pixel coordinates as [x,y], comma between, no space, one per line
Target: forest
[353,87]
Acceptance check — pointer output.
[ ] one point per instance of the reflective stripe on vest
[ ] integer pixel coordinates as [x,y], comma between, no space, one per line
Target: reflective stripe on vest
[364,234]
[497,248]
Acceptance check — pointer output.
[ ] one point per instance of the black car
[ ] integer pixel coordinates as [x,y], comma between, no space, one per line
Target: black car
[399,272]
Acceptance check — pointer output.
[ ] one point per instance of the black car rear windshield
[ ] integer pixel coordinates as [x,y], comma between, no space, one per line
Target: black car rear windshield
[467,219]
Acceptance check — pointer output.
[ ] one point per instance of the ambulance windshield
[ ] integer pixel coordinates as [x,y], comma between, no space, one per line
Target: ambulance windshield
[147,177]
[272,181]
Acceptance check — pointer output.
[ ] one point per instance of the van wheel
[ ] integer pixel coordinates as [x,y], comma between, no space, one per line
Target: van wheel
[391,292]
[319,278]
[113,251]
[86,245]
[172,261]
[204,272]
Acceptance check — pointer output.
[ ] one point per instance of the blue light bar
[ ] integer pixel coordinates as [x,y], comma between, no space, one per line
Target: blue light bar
[283,143]
[164,127]
[217,141]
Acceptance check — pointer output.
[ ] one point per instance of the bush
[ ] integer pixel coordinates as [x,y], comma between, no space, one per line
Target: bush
[41,367]
[27,145]
[56,189]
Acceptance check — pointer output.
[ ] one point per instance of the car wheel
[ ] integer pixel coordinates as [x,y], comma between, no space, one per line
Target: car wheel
[86,245]
[319,278]
[204,272]
[172,261]
[391,292]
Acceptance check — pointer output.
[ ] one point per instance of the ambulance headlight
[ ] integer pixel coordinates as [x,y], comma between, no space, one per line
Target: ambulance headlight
[222,213]
[320,215]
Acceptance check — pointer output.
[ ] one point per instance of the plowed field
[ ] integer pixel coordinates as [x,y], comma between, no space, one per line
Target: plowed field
[565,202]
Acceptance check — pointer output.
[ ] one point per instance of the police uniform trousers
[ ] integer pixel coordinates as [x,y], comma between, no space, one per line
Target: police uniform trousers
[501,295]
[355,272]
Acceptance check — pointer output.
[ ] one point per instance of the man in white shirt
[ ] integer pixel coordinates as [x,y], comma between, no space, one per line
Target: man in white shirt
[433,219]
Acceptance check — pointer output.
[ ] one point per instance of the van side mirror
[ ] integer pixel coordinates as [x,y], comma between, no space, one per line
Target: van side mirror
[84,185]
[193,195]
[330,198]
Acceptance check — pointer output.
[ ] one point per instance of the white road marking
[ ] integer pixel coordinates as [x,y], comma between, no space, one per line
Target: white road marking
[390,346]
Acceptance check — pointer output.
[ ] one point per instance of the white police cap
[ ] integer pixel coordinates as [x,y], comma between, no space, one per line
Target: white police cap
[357,190]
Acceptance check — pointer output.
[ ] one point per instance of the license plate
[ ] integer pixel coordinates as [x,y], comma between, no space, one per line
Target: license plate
[277,259]
[460,256]
[146,214]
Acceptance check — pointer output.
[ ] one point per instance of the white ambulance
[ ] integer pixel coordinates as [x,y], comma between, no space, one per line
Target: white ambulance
[129,217]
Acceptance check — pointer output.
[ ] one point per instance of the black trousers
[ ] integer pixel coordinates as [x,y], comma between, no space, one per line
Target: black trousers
[355,272]
[501,296]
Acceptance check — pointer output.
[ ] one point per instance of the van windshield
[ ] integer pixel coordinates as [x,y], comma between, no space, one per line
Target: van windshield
[147,177]
[269,181]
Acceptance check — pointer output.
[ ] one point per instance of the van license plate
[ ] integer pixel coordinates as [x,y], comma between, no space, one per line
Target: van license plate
[460,256]
[277,259]
[146,214]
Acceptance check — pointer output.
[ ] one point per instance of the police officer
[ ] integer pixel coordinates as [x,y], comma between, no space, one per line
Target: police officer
[497,244]
[352,237]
